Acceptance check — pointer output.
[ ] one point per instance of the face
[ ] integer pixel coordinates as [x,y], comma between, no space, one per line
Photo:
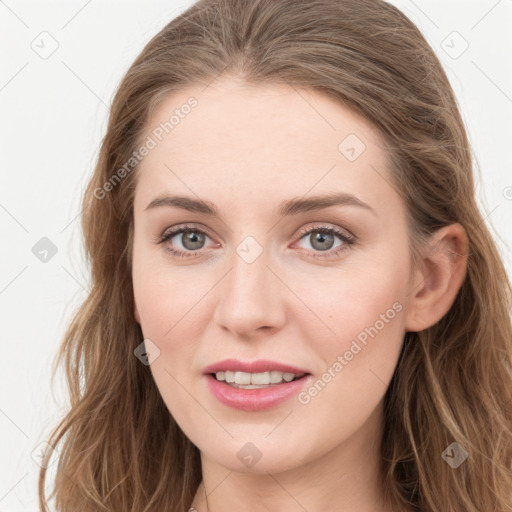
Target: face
[316,285]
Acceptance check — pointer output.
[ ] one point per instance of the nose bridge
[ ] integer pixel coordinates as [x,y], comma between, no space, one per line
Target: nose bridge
[249,298]
[249,267]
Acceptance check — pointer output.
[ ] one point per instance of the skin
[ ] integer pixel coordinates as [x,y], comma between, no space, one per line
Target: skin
[246,148]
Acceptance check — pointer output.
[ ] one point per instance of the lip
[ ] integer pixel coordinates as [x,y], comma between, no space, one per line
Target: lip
[253,400]
[261,365]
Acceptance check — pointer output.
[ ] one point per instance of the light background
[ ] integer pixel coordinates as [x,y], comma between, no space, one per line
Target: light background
[53,117]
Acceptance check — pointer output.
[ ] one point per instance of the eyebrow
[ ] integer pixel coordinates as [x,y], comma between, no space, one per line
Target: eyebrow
[286,208]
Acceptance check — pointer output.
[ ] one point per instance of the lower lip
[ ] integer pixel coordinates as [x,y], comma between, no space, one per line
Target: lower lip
[255,399]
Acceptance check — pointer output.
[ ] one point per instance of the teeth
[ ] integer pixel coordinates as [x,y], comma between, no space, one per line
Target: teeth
[276,377]
[242,378]
[258,379]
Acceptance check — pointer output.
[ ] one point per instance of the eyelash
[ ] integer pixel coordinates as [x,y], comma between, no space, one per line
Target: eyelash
[347,240]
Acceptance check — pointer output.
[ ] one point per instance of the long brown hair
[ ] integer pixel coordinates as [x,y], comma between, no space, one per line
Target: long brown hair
[119,448]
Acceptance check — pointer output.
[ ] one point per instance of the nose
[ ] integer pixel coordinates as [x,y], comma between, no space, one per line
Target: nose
[250,298]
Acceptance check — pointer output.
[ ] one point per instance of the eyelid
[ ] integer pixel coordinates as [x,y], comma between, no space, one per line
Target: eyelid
[302,231]
[347,238]
[342,232]
[174,230]
[344,235]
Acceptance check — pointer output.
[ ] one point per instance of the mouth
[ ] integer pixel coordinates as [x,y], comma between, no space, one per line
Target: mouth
[246,380]
[255,385]
[257,390]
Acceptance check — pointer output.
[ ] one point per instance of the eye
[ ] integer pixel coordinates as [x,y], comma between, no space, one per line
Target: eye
[190,238]
[322,239]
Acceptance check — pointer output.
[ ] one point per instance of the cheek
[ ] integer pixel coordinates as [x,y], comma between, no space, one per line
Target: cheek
[165,302]
[166,296]
[174,308]
[365,315]
[354,305]
[170,319]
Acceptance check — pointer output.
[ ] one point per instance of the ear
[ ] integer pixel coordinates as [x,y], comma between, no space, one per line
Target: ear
[435,285]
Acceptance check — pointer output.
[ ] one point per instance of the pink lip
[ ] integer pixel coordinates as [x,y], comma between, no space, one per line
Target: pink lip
[254,399]
[262,365]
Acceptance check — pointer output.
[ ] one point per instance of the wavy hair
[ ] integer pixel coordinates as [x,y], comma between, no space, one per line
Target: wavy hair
[120,449]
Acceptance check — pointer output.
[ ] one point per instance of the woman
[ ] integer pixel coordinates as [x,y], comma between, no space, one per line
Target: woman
[296,303]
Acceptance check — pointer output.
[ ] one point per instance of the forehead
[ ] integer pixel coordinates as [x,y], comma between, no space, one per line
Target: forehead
[259,141]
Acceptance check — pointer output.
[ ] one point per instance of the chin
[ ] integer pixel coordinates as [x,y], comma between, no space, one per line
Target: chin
[257,455]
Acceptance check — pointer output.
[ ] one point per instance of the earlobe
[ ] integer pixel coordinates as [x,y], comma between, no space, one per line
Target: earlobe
[437,283]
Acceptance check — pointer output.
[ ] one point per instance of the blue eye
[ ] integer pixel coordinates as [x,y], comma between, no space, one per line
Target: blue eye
[191,236]
[321,237]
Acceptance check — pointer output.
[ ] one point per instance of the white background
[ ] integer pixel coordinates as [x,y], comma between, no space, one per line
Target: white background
[53,117]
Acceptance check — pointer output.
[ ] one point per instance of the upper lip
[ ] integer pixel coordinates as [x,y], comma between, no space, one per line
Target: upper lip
[259,366]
